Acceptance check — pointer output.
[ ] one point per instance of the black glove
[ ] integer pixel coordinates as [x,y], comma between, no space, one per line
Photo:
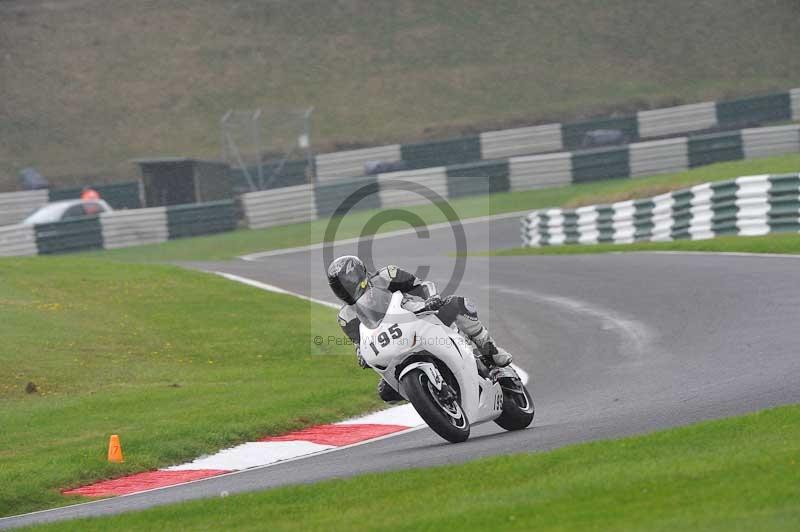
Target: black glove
[434,303]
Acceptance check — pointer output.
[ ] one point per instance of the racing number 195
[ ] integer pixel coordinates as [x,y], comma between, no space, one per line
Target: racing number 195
[383,338]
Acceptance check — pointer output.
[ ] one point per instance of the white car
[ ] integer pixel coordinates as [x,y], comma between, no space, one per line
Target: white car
[66,210]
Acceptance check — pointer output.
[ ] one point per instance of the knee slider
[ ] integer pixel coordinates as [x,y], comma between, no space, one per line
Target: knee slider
[468,308]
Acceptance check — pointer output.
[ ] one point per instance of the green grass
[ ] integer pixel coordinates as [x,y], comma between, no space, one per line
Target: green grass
[735,474]
[228,245]
[786,243]
[213,363]
[90,84]
[177,363]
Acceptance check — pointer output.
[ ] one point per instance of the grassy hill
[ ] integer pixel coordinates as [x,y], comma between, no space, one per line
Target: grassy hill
[88,84]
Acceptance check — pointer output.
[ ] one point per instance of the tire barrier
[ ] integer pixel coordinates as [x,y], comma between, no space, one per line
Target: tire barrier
[307,202]
[746,206]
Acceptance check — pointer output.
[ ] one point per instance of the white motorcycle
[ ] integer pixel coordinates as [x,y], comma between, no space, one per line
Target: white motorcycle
[436,368]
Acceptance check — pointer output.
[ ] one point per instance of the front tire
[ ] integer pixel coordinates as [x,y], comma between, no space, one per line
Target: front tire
[446,418]
[518,409]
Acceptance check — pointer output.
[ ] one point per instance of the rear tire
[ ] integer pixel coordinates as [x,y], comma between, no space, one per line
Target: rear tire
[518,409]
[448,421]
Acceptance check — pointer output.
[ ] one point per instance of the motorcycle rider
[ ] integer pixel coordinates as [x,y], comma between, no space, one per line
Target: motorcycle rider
[349,279]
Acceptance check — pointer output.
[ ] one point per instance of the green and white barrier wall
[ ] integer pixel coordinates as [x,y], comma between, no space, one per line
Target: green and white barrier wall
[117,229]
[747,206]
[310,202]
[306,202]
[15,206]
[487,146]
[652,124]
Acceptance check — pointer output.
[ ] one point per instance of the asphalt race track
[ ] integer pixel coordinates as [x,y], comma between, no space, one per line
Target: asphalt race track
[615,345]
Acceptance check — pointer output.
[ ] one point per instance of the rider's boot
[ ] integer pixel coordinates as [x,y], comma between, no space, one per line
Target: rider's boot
[387,393]
[465,315]
[490,350]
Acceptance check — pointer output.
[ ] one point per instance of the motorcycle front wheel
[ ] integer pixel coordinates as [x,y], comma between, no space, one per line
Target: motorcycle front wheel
[443,415]
[518,410]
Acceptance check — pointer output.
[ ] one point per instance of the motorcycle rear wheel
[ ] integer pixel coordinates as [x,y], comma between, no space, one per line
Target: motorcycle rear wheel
[447,419]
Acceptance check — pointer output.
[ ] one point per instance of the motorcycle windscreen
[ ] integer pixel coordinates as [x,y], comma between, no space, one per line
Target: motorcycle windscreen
[371,307]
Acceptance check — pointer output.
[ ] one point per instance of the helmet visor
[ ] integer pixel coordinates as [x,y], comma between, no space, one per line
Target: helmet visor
[371,307]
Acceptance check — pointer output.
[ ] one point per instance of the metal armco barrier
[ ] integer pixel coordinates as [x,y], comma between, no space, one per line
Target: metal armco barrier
[747,206]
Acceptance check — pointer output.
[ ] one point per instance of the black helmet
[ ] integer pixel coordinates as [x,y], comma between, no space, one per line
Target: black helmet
[347,277]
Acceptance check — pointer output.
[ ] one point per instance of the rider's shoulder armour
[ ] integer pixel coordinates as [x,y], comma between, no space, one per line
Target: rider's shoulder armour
[393,278]
[346,314]
[380,279]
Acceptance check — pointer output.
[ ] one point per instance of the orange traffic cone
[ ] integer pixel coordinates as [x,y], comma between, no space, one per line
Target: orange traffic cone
[115,450]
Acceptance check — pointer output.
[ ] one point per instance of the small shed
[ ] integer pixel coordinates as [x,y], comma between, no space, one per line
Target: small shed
[178,180]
